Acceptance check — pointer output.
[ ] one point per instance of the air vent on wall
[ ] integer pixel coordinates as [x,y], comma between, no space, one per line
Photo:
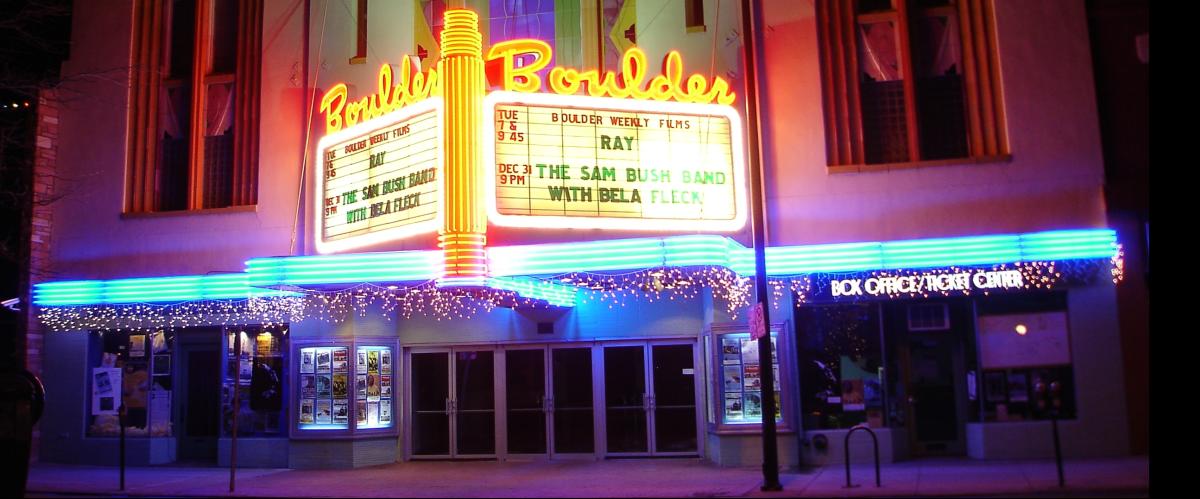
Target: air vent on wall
[928,317]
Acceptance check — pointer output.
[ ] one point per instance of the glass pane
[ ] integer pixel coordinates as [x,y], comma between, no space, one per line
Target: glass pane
[175,125]
[625,389]
[430,387]
[841,358]
[218,146]
[261,400]
[941,112]
[373,387]
[475,396]
[525,372]
[224,36]
[182,38]
[741,379]
[674,399]
[885,125]
[573,417]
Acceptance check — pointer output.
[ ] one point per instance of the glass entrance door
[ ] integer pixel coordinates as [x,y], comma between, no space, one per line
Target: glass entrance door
[525,394]
[453,403]
[674,399]
[573,431]
[650,399]
[626,402]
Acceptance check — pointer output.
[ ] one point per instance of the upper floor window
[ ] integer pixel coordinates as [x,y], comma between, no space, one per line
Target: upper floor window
[909,80]
[194,105]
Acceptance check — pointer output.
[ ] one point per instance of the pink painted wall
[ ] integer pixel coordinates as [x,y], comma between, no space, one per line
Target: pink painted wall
[1054,181]
[1055,178]
[91,237]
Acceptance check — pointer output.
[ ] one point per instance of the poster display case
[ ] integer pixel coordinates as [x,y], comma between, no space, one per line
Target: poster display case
[737,379]
[346,388]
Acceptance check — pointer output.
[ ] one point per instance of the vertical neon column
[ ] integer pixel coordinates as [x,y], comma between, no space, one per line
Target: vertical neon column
[464,226]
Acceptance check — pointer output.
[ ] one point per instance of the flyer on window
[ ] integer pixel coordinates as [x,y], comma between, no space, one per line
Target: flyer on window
[372,362]
[341,411]
[340,388]
[360,361]
[749,351]
[385,411]
[341,360]
[385,361]
[308,386]
[372,411]
[373,386]
[323,360]
[360,385]
[324,412]
[306,361]
[360,412]
[731,351]
[385,385]
[733,406]
[306,411]
[137,345]
[733,378]
[324,385]
[751,377]
[753,405]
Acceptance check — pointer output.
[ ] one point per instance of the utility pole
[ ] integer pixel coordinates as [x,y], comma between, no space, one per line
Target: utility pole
[759,229]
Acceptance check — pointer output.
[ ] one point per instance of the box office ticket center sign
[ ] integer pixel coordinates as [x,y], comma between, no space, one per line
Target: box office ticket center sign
[587,162]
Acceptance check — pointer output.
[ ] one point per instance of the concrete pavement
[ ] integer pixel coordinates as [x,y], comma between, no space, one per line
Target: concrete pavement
[1123,477]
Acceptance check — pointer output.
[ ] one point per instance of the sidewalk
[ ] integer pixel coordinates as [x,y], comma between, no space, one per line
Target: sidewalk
[1124,477]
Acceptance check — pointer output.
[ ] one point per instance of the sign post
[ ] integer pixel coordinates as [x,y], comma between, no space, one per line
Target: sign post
[769,444]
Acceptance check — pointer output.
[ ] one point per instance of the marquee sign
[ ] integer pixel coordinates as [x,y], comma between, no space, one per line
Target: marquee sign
[588,162]
[432,150]
[380,180]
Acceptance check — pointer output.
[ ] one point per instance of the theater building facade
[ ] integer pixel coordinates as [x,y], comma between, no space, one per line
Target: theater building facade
[355,233]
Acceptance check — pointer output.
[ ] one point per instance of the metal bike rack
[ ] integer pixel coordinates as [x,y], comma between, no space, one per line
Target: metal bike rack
[846,453]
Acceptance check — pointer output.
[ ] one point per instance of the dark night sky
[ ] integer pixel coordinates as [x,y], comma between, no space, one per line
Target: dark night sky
[34,40]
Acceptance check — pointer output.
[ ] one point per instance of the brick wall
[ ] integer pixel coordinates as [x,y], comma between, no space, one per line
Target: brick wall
[41,219]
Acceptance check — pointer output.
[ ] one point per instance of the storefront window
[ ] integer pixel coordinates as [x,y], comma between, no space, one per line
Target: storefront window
[328,399]
[134,369]
[260,374]
[1025,357]
[841,369]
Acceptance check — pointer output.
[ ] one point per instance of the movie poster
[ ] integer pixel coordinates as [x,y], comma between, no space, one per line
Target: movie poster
[341,411]
[749,351]
[385,361]
[360,364]
[360,386]
[341,360]
[340,388]
[308,386]
[731,351]
[137,345]
[733,406]
[752,378]
[373,386]
[360,412]
[733,378]
[324,412]
[324,386]
[853,399]
[372,411]
[385,411]
[323,360]
[753,405]
[372,362]
[306,361]
[306,411]
[385,385]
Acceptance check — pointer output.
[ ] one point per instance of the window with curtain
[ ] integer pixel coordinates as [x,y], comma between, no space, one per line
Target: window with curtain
[905,81]
[194,102]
